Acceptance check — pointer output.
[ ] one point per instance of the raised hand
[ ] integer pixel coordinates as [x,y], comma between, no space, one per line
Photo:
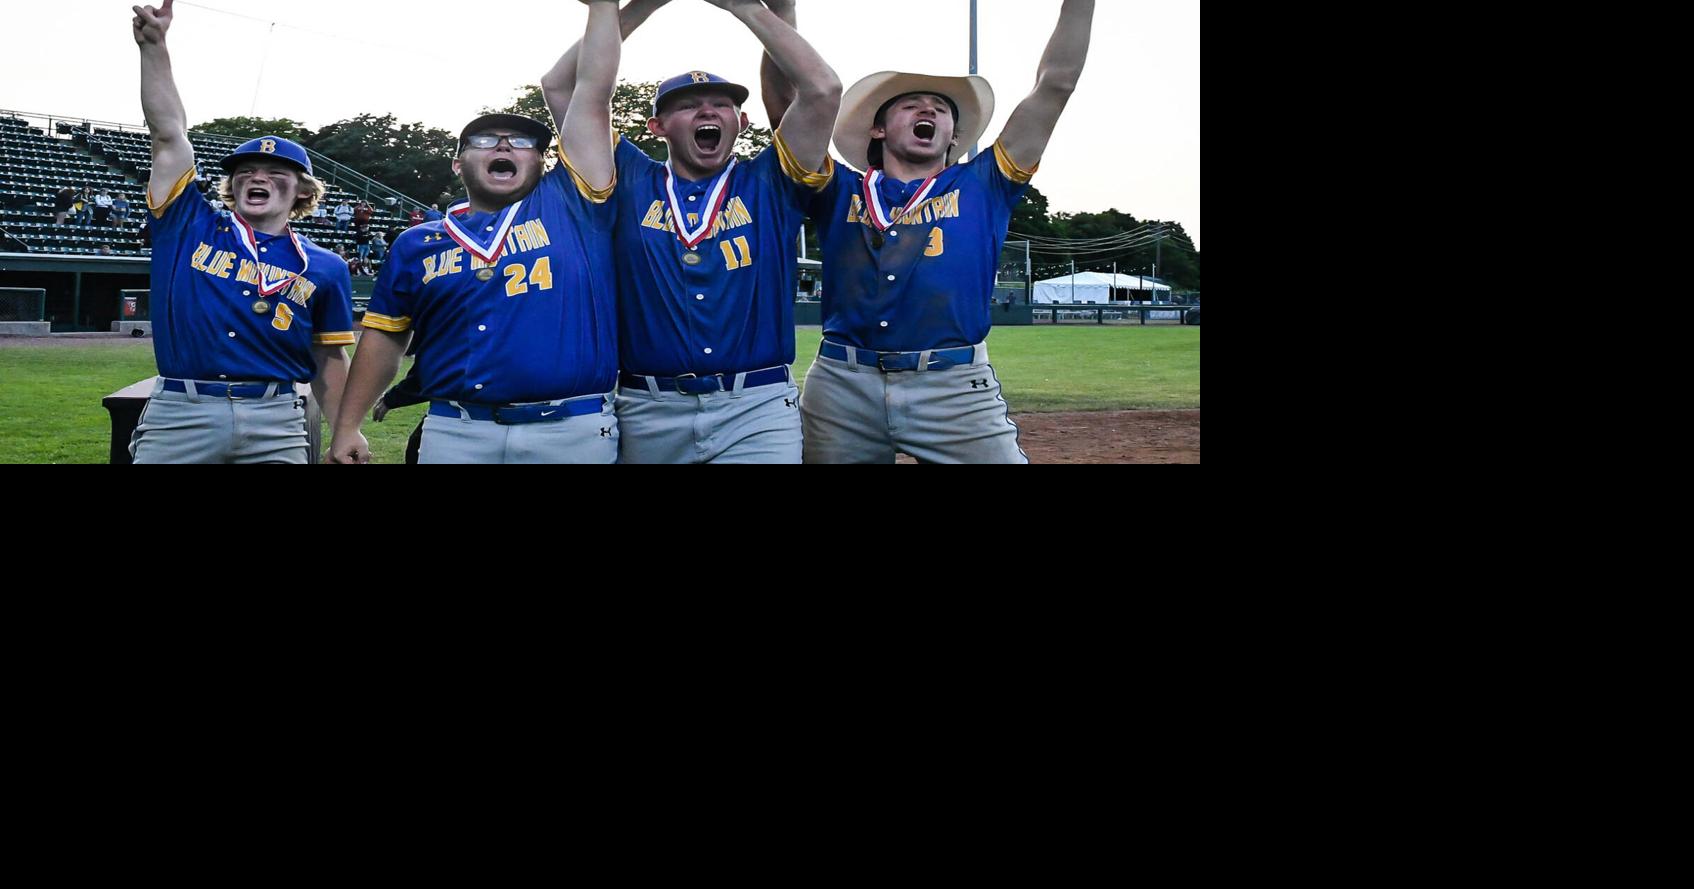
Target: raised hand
[150,23]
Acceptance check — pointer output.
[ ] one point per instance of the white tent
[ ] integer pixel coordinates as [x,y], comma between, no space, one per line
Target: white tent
[1096,288]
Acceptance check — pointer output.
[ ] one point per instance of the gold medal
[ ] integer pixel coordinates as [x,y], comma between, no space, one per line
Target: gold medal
[261,307]
[692,258]
[485,274]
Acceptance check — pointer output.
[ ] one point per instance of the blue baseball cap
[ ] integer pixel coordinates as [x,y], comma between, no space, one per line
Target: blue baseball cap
[698,80]
[274,147]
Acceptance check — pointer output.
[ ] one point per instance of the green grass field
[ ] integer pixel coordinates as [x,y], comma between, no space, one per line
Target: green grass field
[50,395]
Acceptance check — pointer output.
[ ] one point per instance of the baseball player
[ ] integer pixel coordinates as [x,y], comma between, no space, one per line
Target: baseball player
[243,306]
[705,257]
[910,249]
[510,294]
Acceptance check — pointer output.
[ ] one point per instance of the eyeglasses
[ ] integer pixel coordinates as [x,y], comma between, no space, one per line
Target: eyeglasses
[485,141]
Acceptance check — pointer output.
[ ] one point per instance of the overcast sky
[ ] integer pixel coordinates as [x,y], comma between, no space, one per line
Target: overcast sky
[1129,140]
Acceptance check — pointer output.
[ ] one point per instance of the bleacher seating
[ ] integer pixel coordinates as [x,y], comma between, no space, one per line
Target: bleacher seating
[35,165]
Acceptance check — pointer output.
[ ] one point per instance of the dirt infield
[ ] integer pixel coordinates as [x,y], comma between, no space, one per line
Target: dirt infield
[1111,437]
[1108,437]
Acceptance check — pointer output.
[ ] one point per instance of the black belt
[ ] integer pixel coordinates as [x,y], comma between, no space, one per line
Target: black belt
[695,384]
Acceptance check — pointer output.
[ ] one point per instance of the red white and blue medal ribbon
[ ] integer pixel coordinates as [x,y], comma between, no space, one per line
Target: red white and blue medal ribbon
[487,251]
[873,199]
[691,238]
[269,285]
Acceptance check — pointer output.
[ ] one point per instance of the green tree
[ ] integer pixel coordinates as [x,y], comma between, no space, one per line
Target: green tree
[254,127]
[1178,262]
[411,158]
[529,103]
[632,105]
[1030,216]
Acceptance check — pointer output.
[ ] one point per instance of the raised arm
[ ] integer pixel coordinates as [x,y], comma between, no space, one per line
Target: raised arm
[161,104]
[558,84]
[585,132]
[1031,124]
[807,124]
[774,88]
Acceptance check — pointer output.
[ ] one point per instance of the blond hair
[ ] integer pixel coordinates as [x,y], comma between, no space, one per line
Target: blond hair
[312,190]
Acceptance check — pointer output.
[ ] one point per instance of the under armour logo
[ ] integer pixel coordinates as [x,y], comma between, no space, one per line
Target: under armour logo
[700,76]
[979,384]
[268,146]
[605,432]
[789,402]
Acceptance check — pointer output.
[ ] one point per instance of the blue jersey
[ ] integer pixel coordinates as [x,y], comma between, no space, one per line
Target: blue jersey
[733,310]
[928,281]
[535,324]
[213,318]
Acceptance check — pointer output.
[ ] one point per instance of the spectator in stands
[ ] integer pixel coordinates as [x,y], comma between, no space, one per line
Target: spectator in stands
[85,206]
[62,204]
[362,216]
[416,218]
[343,216]
[362,238]
[103,208]
[379,246]
[120,210]
[320,216]
[434,214]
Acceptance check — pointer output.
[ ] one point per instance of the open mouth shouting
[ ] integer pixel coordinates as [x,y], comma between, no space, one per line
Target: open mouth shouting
[924,132]
[708,138]
[502,170]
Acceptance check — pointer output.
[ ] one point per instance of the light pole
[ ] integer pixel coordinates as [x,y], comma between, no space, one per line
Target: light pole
[1158,252]
[972,155]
